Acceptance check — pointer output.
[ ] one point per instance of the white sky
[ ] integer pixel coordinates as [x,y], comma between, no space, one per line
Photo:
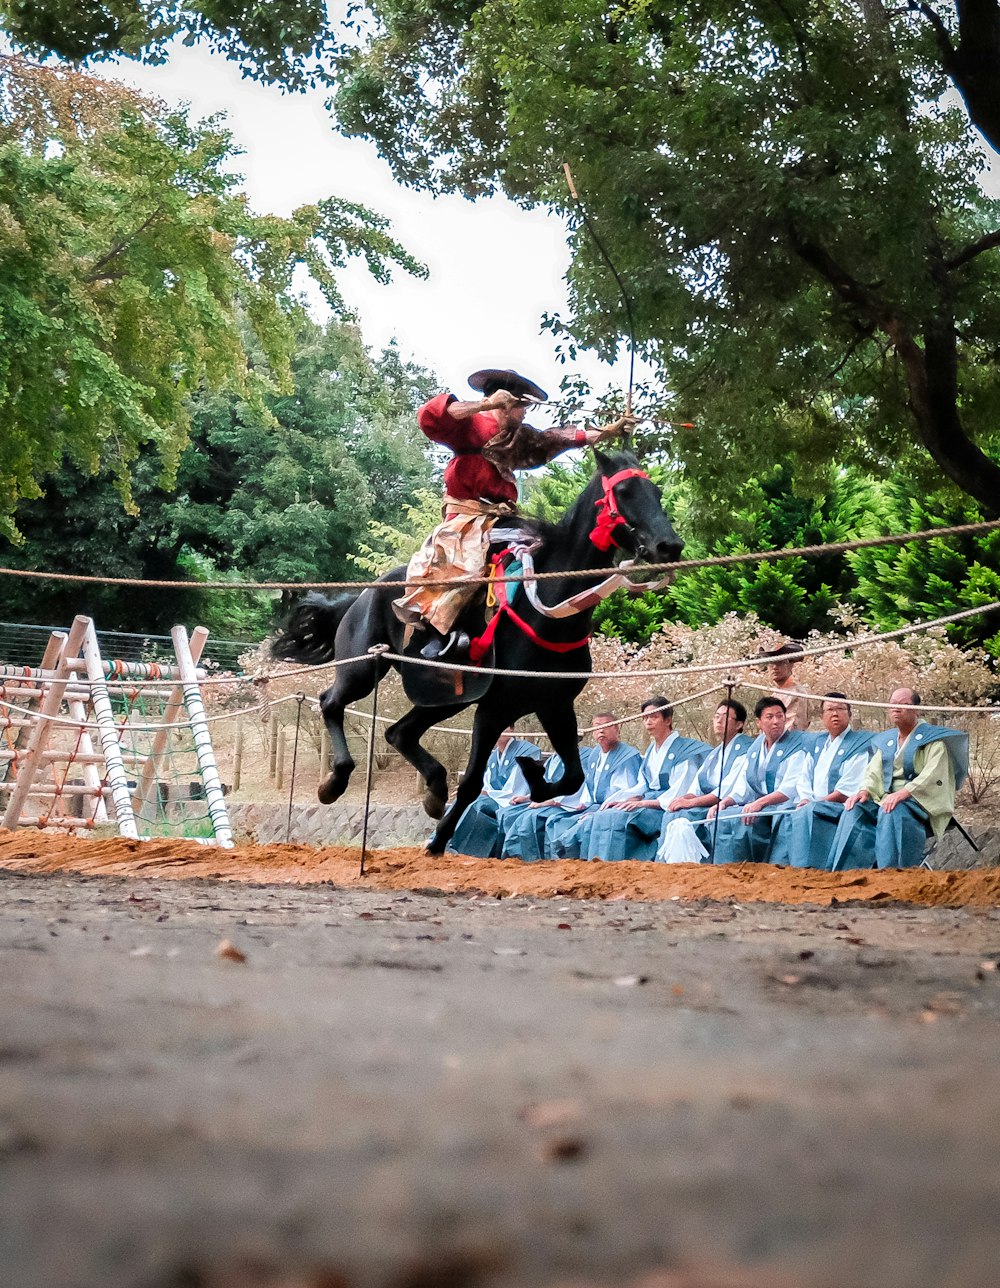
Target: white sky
[465,315]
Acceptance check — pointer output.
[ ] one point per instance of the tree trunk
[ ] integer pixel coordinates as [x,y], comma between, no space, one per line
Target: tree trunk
[973,64]
[932,380]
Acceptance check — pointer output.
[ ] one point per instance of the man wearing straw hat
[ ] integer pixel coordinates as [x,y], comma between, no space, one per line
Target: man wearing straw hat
[490,441]
[796,706]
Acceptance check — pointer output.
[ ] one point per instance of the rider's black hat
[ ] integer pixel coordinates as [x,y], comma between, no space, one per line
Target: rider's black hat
[490,379]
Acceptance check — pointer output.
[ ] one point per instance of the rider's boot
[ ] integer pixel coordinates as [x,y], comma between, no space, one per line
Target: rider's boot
[453,647]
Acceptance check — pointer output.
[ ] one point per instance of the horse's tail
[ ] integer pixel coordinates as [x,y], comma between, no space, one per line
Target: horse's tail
[308,635]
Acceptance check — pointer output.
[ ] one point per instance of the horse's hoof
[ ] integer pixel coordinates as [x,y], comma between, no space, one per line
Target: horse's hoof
[329,790]
[434,848]
[434,805]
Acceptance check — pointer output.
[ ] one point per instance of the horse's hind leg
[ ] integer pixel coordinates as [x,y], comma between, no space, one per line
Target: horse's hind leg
[487,729]
[405,736]
[354,681]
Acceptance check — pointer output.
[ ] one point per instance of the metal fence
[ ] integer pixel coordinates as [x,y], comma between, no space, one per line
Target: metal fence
[22,644]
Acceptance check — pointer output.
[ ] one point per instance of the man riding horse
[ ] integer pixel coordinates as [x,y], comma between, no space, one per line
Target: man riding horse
[490,441]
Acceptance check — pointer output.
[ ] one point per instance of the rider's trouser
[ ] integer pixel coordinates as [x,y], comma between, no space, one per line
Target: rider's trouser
[456,549]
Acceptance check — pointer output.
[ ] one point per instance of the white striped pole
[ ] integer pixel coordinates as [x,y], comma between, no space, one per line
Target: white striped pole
[202,739]
[108,733]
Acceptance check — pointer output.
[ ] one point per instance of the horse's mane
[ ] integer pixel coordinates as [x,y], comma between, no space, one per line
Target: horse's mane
[545,529]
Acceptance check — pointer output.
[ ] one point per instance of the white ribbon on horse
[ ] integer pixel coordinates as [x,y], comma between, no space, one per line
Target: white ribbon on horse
[522,544]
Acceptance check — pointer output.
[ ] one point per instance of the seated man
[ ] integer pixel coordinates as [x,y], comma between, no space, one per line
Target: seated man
[681,839]
[907,793]
[522,822]
[490,441]
[766,785]
[627,825]
[615,766]
[832,772]
[478,833]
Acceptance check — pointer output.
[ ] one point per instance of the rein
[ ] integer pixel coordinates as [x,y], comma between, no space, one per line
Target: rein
[481,644]
[609,518]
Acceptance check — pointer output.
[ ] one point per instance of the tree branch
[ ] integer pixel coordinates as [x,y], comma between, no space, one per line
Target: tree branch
[850,290]
[864,333]
[973,64]
[95,273]
[941,32]
[973,249]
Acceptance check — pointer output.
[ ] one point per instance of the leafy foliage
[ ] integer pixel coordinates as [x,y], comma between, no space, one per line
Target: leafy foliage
[885,586]
[291,503]
[130,269]
[787,191]
[899,584]
[283,41]
[397,540]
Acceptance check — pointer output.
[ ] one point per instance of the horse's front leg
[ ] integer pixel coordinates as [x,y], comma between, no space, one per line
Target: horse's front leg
[405,736]
[486,731]
[354,681]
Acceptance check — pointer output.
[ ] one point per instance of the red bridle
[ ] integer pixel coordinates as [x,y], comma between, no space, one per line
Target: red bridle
[608,515]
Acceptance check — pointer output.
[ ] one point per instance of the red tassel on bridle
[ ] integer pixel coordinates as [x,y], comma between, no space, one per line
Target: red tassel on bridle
[608,516]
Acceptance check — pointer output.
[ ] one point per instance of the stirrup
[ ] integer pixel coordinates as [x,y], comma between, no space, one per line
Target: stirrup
[456,643]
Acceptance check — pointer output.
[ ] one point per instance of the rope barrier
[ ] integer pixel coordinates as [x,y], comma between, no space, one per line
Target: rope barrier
[708,667]
[984,710]
[848,645]
[680,566]
[260,709]
[535,733]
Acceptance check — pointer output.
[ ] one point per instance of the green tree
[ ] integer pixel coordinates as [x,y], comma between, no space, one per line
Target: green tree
[887,586]
[290,504]
[285,41]
[131,269]
[789,195]
[295,504]
[900,584]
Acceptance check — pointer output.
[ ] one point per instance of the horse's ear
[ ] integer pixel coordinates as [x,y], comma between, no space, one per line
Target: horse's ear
[603,462]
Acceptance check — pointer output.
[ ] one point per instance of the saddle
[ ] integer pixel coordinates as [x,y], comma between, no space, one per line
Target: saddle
[444,685]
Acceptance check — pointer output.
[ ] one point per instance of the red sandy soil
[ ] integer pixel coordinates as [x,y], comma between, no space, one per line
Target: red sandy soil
[413,869]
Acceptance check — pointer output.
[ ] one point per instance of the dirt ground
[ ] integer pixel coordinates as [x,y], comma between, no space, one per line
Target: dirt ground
[445,1074]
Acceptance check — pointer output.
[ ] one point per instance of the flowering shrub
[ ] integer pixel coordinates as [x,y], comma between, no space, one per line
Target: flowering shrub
[940,671]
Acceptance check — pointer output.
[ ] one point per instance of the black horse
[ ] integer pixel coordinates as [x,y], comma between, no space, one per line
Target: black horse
[620,503]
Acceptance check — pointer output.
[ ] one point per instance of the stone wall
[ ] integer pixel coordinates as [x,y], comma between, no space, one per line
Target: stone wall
[392,825]
[388,825]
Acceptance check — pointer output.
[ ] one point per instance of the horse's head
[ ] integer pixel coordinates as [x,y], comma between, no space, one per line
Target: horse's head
[630,512]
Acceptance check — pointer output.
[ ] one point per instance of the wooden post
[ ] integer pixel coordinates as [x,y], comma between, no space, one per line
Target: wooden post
[50,703]
[279,752]
[33,692]
[238,755]
[77,705]
[272,735]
